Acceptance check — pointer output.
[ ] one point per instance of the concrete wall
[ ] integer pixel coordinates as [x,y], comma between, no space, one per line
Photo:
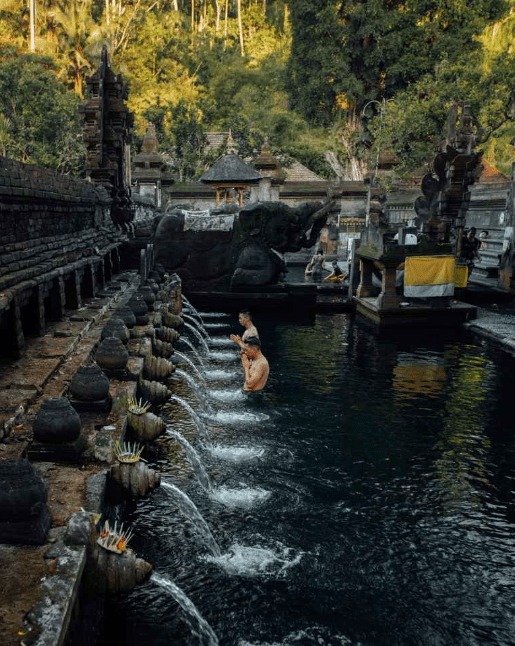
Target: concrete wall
[57,245]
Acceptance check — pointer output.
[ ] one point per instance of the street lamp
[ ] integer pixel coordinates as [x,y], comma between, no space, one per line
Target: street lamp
[372,180]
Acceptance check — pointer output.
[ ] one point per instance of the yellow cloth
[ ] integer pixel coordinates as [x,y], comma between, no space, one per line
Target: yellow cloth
[426,276]
[461,276]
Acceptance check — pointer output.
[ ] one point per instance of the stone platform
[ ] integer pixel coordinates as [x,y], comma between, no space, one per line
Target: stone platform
[416,315]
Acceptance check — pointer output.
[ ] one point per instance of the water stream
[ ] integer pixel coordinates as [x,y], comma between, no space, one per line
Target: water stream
[193,459]
[371,504]
[199,336]
[190,363]
[193,349]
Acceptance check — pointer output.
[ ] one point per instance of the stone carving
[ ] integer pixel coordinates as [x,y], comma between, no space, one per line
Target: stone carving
[24,517]
[247,255]
[107,124]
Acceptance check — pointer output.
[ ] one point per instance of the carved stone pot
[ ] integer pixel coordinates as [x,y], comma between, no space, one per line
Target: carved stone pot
[116,327]
[56,422]
[127,315]
[89,383]
[138,306]
[112,354]
[24,517]
[147,294]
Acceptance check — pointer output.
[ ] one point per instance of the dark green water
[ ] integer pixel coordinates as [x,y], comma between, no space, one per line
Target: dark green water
[380,512]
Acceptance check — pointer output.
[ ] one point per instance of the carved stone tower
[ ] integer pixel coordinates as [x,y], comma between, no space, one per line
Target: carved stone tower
[106,135]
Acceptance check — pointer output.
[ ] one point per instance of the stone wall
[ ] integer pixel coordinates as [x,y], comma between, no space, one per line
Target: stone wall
[57,244]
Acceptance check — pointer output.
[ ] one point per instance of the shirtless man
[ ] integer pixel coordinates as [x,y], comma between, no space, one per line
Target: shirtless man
[255,365]
[245,319]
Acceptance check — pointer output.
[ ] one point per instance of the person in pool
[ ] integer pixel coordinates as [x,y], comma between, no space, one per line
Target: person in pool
[255,365]
[245,319]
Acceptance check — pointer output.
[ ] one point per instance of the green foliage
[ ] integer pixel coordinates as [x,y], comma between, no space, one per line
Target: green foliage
[40,121]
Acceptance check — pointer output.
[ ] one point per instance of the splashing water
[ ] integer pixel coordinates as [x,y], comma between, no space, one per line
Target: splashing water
[236,453]
[197,623]
[212,375]
[191,364]
[199,391]
[201,427]
[199,336]
[193,349]
[188,508]
[228,396]
[199,325]
[226,417]
[253,561]
[215,315]
[312,635]
[224,356]
[221,340]
[242,498]
[213,326]
[193,459]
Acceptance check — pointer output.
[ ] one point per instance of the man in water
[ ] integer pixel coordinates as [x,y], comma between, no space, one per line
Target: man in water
[255,365]
[245,319]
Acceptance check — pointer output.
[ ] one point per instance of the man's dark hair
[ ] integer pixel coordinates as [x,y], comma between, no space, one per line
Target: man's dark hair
[246,314]
[254,342]
[472,229]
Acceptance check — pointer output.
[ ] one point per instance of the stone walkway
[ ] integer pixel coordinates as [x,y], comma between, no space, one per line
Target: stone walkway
[498,327]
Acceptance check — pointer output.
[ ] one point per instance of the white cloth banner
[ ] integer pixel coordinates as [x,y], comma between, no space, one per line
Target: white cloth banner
[207,222]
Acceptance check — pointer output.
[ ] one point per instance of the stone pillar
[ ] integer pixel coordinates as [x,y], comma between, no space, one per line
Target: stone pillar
[354,270]
[72,291]
[57,299]
[143,265]
[365,284]
[88,282]
[388,298]
[108,271]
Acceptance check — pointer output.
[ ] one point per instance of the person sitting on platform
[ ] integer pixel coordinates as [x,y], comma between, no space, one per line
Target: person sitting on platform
[337,275]
[245,320]
[255,366]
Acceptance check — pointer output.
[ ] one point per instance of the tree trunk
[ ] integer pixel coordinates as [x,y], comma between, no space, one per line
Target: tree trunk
[218,11]
[192,16]
[240,29]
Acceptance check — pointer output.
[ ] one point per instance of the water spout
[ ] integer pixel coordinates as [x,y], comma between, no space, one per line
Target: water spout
[192,365]
[198,324]
[193,349]
[197,623]
[201,427]
[195,387]
[198,335]
[193,459]
[188,508]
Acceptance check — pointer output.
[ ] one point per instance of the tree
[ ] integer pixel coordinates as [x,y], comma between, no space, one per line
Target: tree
[40,114]
[347,54]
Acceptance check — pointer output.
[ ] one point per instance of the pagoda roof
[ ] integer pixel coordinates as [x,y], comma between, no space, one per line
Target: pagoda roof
[230,168]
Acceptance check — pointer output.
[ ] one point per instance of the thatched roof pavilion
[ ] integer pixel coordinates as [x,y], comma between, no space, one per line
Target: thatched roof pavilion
[230,176]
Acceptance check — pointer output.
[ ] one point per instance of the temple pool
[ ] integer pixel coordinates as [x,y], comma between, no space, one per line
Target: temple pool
[369,502]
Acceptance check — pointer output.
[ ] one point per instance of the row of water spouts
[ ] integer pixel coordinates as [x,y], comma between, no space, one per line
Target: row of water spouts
[195,323]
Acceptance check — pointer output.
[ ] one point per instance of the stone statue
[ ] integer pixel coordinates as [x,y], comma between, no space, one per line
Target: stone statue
[234,251]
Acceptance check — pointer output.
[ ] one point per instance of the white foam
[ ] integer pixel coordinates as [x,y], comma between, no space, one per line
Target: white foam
[225,417]
[239,497]
[236,453]
[212,326]
[214,314]
[218,374]
[313,635]
[227,395]
[220,340]
[252,561]
[223,356]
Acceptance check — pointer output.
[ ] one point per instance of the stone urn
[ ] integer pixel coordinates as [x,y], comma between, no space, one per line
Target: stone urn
[24,516]
[112,354]
[139,308]
[127,315]
[89,383]
[147,294]
[116,327]
[56,422]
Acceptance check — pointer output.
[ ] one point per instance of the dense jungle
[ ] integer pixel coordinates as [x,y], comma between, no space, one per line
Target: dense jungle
[330,83]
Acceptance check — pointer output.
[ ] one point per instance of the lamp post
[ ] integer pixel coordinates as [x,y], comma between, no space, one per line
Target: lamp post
[372,180]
